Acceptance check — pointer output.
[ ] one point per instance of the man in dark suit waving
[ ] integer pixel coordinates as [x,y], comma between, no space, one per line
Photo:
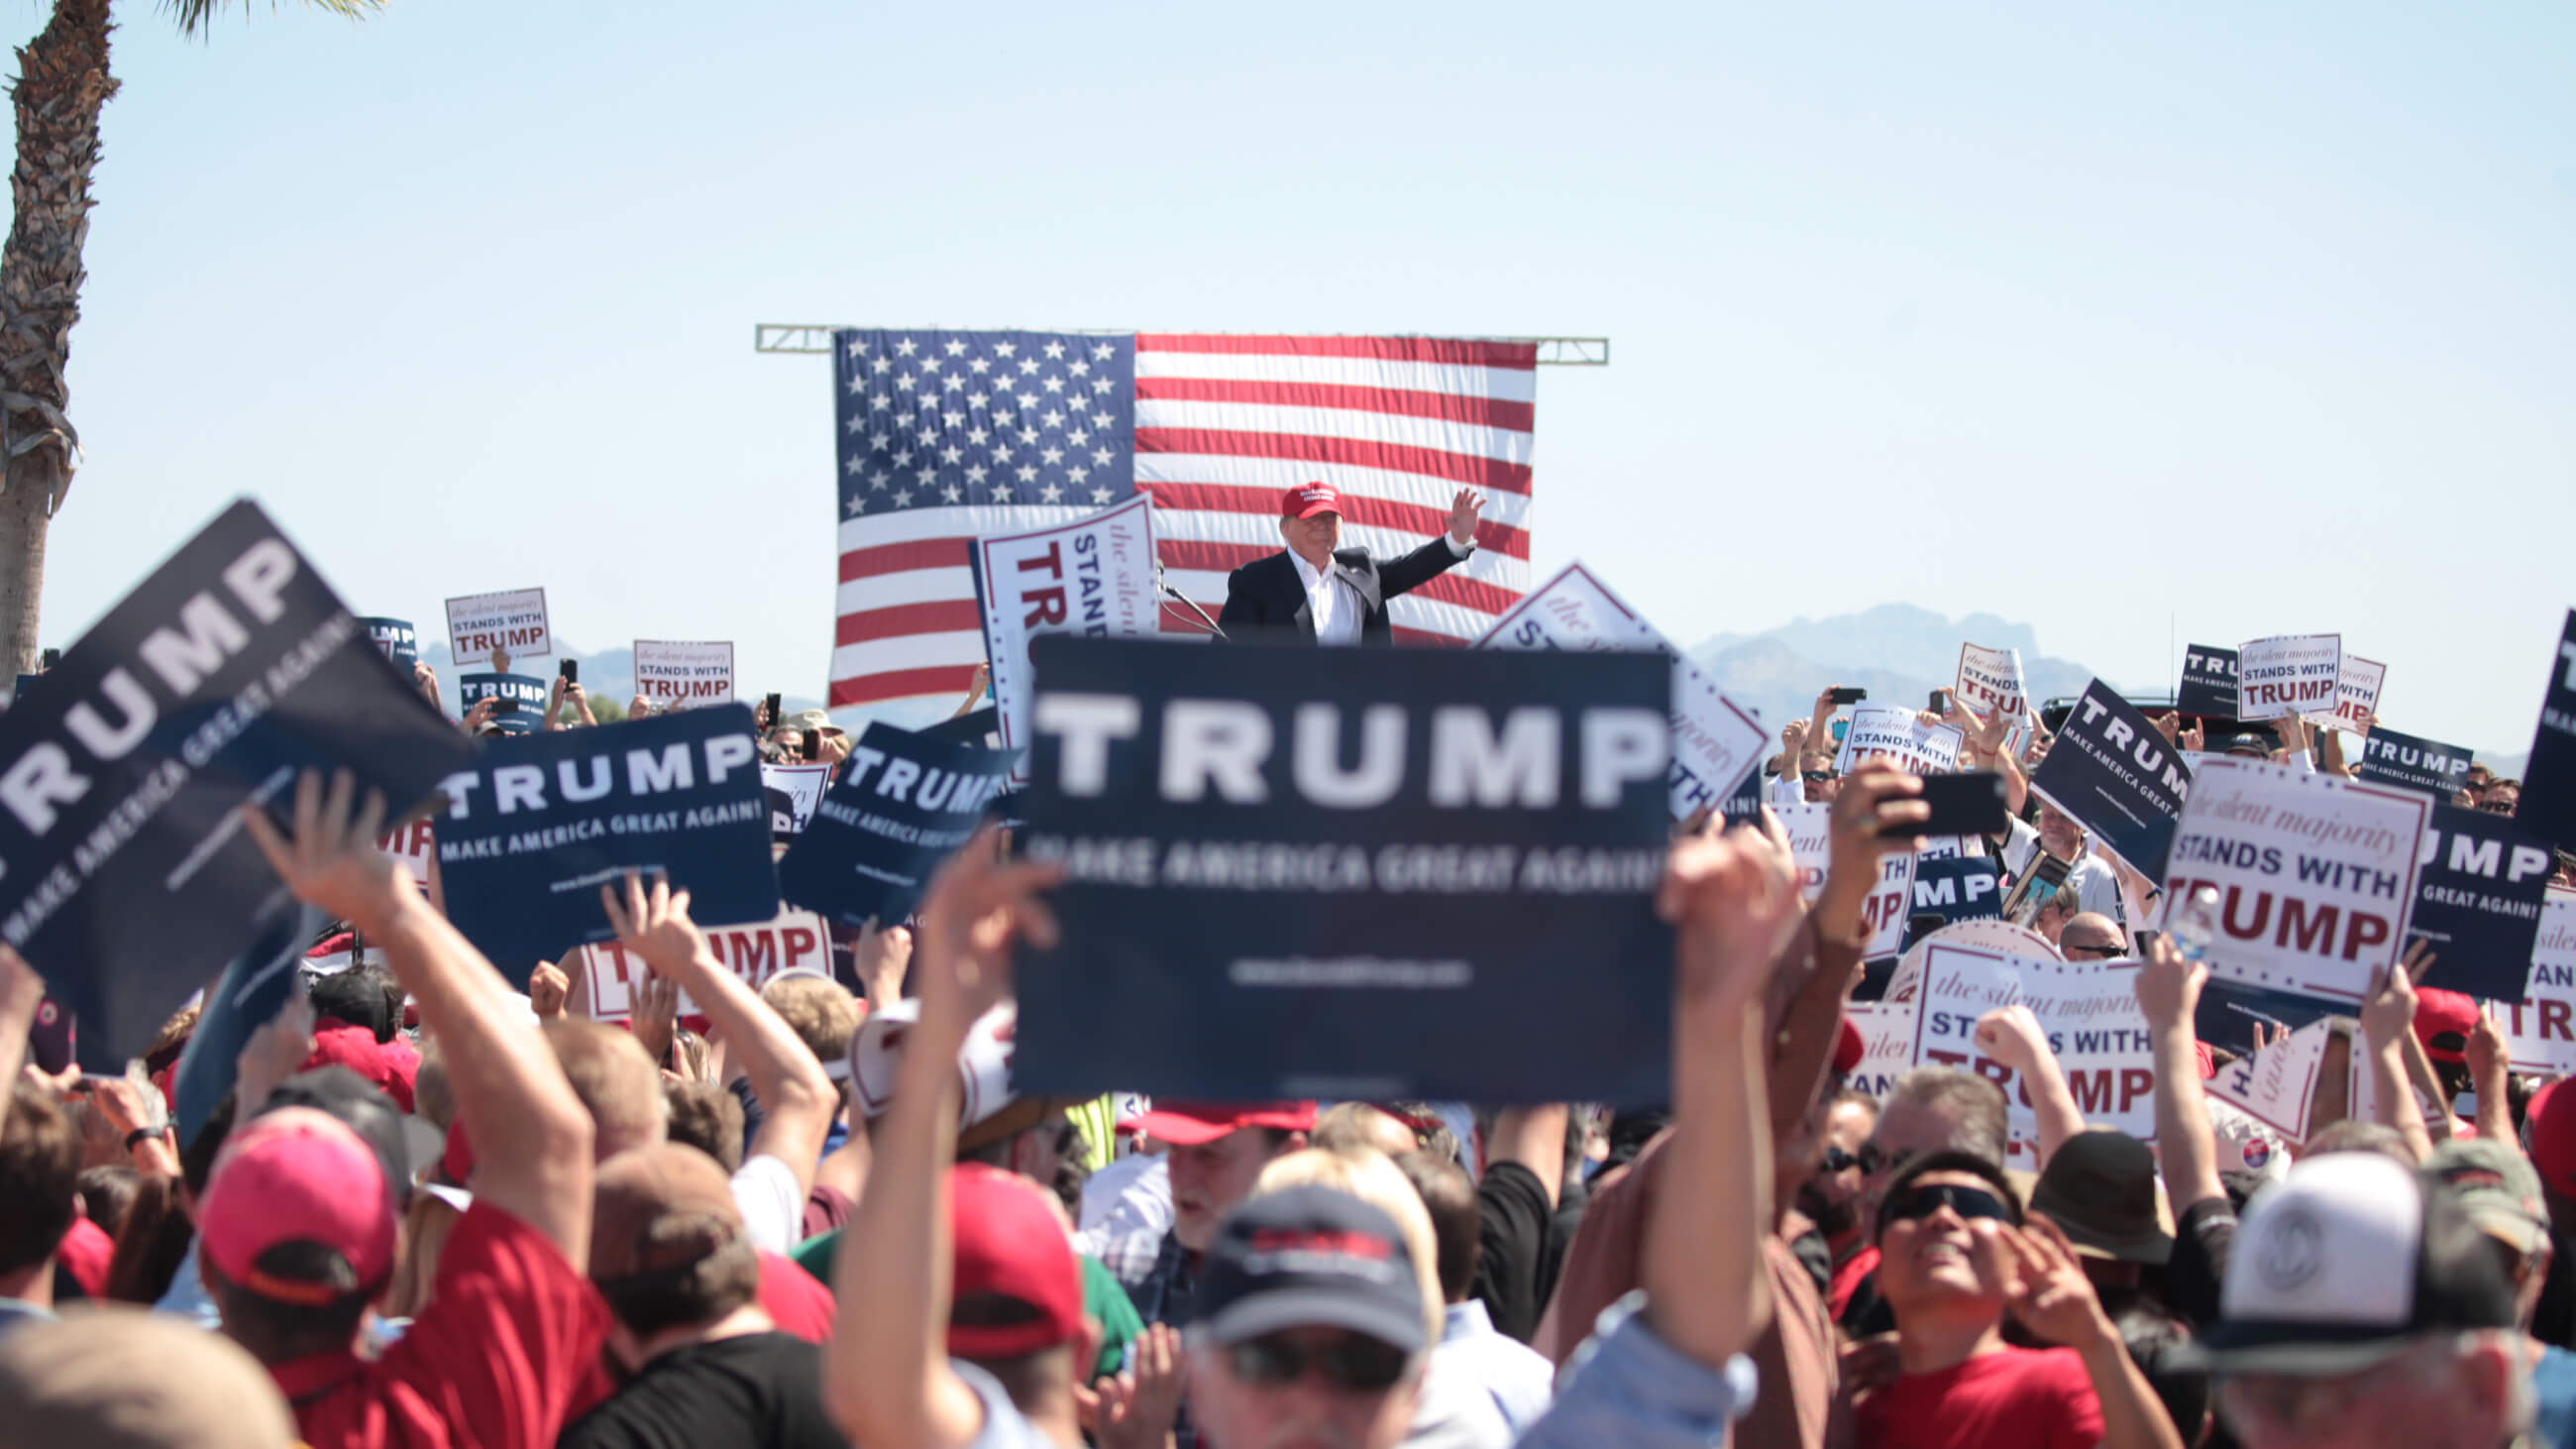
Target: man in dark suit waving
[1328,594]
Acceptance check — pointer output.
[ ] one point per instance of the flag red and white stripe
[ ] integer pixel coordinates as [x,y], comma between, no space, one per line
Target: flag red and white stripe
[1225,424]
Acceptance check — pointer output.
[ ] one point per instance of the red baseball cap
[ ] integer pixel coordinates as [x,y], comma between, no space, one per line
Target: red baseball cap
[1308,499]
[1009,1243]
[1187,1124]
[1848,1048]
[298,1175]
[2550,1123]
[2443,1014]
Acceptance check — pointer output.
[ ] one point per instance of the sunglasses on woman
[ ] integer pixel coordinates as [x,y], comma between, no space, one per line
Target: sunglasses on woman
[1920,1201]
[1347,1361]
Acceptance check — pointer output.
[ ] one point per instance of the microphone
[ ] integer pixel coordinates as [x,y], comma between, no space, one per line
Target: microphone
[1186,602]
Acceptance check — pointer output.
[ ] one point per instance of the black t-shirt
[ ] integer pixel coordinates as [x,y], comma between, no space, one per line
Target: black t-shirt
[1513,1229]
[2202,1236]
[758,1391]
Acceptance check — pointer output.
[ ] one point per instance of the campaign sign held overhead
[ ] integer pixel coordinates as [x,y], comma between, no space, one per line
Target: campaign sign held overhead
[1901,737]
[2315,875]
[1990,681]
[793,791]
[1961,888]
[677,674]
[511,624]
[539,824]
[398,640]
[1350,873]
[125,878]
[1717,743]
[2478,902]
[525,697]
[902,803]
[2548,806]
[252,990]
[2208,682]
[1093,577]
[2541,1028]
[2291,674]
[2437,769]
[2112,772]
[2357,692]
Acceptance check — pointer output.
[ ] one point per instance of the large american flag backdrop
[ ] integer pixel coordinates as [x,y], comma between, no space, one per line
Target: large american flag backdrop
[945,436]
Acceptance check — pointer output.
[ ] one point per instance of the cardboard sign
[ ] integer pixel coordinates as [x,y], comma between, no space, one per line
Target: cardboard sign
[2315,875]
[1811,841]
[1901,737]
[526,694]
[2478,901]
[792,791]
[676,675]
[1990,681]
[902,803]
[511,624]
[2299,673]
[125,878]
[396,639]
[2278,1085]
[2437,769]
[1888,907]
[539,824]
[250,994]
[756,953]
[1887,1044]
[2112,773]
[1349,873]
[1717,743]
[413,843]
[1998,936]
[2208,682]
[2357,687]
[1093,577]
[2548,805]
[2089,1011]
[2541,1028]
[1961,888]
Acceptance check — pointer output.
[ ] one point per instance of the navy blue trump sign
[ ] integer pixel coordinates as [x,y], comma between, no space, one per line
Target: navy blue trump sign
[125,878]
[901,803]
[543,821]
[1349,873]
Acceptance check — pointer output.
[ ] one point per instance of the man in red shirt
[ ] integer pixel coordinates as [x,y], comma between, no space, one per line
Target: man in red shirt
[296,1232]
[1954,1254]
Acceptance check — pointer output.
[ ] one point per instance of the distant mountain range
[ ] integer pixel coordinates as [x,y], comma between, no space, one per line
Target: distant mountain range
[609,674]
[1898,652]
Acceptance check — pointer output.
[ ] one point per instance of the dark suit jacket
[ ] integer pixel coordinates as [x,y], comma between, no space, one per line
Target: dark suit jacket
[1266,596]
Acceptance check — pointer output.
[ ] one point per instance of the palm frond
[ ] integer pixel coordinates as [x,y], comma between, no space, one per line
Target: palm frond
[193,15]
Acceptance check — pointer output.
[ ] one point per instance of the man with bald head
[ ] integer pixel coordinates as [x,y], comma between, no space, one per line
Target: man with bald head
[2092,936]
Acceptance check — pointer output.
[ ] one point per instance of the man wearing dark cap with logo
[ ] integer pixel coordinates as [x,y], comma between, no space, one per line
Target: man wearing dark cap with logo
[296,1230]
[1323,593]
[699,1361]
[2364,1307]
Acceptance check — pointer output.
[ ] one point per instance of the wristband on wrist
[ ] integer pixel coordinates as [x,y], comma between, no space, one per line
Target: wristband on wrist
[141,1135]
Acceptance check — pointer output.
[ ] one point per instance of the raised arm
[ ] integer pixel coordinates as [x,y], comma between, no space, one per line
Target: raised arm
[2168,988]
[1873,797]
[2387,1021]
[2489,1064]
[886,1376]
[797,1100]
[2011,1035]
[22,991]
[2057,1303]
[532,1137]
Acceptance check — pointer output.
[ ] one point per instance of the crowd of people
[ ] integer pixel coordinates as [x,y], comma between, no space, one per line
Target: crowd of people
[435,1210]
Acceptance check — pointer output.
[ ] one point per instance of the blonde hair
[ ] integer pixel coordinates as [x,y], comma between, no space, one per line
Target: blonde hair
[615,1080]
[1367,1174]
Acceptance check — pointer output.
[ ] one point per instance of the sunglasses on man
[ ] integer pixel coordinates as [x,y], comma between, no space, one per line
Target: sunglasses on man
[1819,776]
[1921,1201]
[1349,1361]
[2110,952]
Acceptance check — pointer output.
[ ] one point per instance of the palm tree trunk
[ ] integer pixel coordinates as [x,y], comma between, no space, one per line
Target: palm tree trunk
[62,84]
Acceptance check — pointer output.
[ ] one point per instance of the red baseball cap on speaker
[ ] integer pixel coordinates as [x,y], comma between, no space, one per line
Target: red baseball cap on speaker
[1308,499]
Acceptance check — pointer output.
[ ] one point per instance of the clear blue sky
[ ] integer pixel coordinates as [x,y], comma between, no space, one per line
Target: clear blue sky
[2133,322]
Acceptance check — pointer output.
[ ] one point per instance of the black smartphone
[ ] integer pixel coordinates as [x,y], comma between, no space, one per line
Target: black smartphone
[52,658]
[813,747]
[772,702]
[1961,805]
[570,669]
[1852,695]
[1940,701]
[503,704]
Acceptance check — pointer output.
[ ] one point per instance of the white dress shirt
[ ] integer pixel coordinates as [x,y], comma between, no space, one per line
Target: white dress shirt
[1334,605]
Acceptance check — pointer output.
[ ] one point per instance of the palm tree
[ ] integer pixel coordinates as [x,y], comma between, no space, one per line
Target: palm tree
[62,85]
